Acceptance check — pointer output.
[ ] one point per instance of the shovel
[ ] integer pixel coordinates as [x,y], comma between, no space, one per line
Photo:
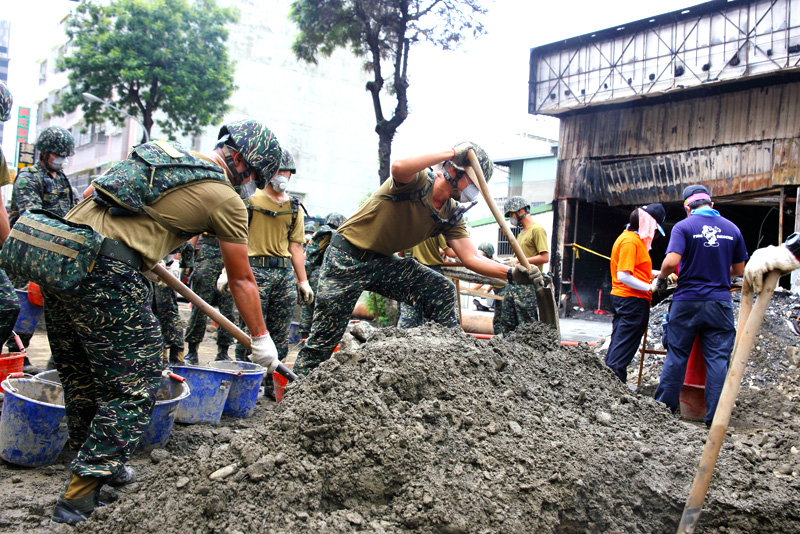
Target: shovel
[745,337]
[544,295]
[216,316]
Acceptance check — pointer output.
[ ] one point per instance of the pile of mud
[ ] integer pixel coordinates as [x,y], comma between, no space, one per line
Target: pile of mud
[430,430]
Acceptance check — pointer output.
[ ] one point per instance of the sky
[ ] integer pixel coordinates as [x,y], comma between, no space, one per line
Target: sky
[478,92]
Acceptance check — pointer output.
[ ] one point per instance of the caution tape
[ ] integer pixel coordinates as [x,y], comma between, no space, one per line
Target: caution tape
[575,247]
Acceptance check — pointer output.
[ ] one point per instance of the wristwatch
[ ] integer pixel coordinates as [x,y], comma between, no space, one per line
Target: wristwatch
[793,244]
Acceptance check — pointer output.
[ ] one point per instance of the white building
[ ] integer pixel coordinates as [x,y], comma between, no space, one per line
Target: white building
[321,113]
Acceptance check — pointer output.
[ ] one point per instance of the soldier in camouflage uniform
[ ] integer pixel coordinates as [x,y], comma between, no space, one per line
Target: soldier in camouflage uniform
[204,283]
[519,302]
[309,233]
[106,340]
[414,204]
[45,185]
[165,306]
[427,253]
[275,248]
[487,249]
[9,305]
[315,252]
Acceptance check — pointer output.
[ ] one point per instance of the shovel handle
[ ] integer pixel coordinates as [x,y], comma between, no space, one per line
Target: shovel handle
[215,315]
[480,180]
[749,322]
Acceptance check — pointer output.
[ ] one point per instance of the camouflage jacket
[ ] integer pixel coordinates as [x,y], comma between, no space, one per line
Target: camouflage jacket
[35,188]
[315,250]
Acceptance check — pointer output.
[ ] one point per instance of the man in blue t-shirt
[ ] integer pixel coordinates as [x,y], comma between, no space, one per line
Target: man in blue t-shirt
[709,250]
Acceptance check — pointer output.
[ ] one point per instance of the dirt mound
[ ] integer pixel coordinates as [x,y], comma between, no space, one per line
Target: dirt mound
[430,430]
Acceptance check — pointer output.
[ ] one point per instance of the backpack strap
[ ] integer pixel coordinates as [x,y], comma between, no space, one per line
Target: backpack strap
[414,195]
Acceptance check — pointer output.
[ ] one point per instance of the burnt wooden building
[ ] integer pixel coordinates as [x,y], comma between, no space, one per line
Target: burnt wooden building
[708,94]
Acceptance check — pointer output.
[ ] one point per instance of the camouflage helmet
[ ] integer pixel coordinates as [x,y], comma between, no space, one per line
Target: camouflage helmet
[57,140]
[487,249]
[334,220]
[483,158]
[258,146]
[6,101]
[287,162]
[311,227]
[514,204]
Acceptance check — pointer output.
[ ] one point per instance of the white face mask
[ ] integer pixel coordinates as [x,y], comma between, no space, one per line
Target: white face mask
[246,190]
[513,221]
[59,163]
[279,183]
[469,193]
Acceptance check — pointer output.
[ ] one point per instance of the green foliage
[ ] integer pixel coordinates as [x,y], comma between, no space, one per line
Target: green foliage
[147,55]
[384,310]
[382,32]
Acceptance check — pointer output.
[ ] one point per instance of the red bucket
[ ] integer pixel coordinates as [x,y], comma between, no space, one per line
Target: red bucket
[10,363]
[692,398]
[279,383]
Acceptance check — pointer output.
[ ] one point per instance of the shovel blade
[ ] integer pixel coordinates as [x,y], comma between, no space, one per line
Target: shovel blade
[547,307]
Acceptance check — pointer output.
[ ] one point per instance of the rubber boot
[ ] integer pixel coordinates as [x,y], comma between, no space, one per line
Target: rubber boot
[176,355]
[222,354]
[29,368]
[125,475]
[74,511]
[191,357]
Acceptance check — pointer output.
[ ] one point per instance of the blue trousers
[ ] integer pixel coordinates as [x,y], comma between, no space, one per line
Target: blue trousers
[631,315]
[712,320]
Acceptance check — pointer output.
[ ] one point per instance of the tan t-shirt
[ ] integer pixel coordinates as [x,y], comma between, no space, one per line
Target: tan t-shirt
[427,252]
[269,236]
[384,226]
[533,241]
[211,207]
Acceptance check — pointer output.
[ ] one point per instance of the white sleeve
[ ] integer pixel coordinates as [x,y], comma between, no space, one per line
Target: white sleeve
[631,281]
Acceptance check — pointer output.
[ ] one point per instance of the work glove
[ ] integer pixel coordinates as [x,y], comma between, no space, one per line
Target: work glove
[511,261]
[304,293]
[526,277]
[264,352]
[222,282]
[460,159]
[175,269]
[153,277]
[658,285]
[768,259]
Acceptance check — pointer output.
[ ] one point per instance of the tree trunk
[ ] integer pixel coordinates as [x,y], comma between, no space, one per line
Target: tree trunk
[384,154]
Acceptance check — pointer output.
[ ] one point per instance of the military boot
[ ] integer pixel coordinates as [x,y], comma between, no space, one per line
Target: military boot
[222,354]
[191,357]
[176,355]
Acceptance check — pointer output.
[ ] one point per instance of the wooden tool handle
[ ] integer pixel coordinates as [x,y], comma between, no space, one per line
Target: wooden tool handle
[215,315]
[749,322]
[480,180]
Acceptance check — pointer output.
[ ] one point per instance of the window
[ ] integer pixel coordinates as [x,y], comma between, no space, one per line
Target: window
[503,247]
[42,72]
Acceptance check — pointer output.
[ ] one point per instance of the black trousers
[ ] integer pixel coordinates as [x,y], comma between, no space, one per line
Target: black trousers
[631,315]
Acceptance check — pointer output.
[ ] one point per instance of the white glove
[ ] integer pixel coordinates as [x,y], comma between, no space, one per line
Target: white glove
[153,277]
[511,261]
[768,259]
[264,352]
[222,282]
[304,293]
[175,269]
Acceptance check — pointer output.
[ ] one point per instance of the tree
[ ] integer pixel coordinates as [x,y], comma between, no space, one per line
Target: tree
[144,56]
[382,31]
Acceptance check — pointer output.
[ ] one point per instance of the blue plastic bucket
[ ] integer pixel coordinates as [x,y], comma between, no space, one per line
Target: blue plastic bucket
[170,393]
[33,425]
[294,333]
[245,386]
[48,376]
[29,314]
[209,389]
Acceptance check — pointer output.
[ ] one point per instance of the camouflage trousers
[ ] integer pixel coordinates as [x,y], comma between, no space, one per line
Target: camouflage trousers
[106,345]
[411,316]
[342,278]
[277,288]
[307,312]
[204,283]
[497,327]
[519,307]
[9,307]
[165,306]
